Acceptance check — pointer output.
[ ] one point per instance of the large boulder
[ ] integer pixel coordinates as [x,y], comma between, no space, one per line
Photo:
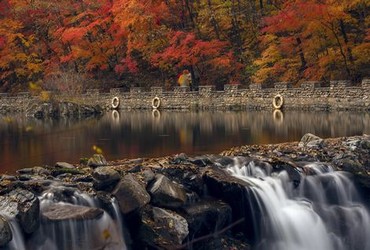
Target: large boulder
[5,232]
[130,194]
[206,216]
[166,193]
[162,228]
[234,192]
[61,212]
[24,206]
[175,225]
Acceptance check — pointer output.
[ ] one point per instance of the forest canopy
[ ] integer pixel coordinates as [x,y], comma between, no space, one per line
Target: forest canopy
[77,44]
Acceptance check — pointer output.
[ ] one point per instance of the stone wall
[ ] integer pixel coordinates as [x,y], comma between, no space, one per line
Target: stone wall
[338,95]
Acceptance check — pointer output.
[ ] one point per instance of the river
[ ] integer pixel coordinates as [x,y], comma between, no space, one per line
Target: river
[27,142]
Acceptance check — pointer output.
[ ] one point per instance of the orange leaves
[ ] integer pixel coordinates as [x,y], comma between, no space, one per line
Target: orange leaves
[73,34]
[184,49]
[313,39]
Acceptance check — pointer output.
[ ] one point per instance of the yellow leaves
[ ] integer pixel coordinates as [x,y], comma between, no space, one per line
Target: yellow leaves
[362,53]
[106,234]
[45,96]
[97,149]
[8,119]
[29,128]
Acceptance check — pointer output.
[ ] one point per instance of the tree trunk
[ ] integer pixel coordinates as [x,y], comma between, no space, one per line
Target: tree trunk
[301,54]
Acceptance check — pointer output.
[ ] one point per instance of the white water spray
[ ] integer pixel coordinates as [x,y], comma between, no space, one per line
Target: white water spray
[101,233]
[323,213]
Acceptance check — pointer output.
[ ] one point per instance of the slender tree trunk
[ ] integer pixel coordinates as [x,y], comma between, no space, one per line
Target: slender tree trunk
[213,20]
[341,51]
[301,54]
[191,17]
[345,37]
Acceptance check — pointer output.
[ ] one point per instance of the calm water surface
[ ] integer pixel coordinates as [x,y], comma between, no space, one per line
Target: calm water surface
[26,142]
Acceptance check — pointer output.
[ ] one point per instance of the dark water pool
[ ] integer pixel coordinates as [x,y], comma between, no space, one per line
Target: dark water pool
[26,142]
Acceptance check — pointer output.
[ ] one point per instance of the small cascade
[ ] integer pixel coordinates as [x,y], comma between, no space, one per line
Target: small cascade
[323,213]
[17,242]
[98,232]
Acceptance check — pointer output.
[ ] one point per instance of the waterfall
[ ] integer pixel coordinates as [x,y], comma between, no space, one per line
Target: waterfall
[17,242]
[323,213]
[104,232]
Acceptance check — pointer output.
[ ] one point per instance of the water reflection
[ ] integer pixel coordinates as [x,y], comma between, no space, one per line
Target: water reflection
[26,142]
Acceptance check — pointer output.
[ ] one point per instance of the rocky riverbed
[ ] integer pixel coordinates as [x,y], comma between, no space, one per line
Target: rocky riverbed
[174,202]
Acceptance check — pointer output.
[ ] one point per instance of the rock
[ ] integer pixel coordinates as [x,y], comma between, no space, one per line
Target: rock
[130,194]
[223,161]
[135,169]
[162,229]
[5,232]
[65,165]
[180,158]
[222,185]
[33,171]
[97,160]
[105,177]
[24,206]
[148,175]
[201,161]
[310,140]
[6,177]
[166,193]
[61,212]
[365,144]
[174,224]
[207,216]
[65,171]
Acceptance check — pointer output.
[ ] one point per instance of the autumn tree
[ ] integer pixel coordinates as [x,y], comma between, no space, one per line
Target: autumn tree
[313,40]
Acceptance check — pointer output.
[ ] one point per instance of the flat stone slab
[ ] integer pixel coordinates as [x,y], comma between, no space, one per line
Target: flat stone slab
[61,212]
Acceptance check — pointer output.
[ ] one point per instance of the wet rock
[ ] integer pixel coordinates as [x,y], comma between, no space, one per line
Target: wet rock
[24,206]
[61,212]
[82,178]
[188,176]
[223,161]
[234,192]
[134,169]
[310,140]
[130,194]
[24,177]
[105,177]
[162,228]
[166,193]
[5,232]
[148,175]
[33,171]
[180,158]
[65,165]
[6,177]
[97,160]
[200,161]
[365,144]
[25,171]
[67,172]
[207,216]
[175,225]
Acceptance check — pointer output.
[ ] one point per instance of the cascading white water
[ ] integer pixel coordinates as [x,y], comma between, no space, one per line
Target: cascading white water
[101,233]
[323,213]
[17,241]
